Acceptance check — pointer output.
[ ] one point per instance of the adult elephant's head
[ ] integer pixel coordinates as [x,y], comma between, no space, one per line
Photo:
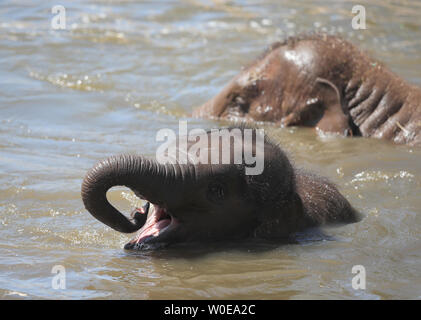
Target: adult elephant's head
[213,193]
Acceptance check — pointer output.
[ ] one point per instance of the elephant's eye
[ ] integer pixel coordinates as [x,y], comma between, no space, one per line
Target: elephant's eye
[216,192]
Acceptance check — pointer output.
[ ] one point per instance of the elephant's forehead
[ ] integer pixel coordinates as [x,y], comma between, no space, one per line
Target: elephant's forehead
[254,74]
[302,57]
[215,147]
[260,71]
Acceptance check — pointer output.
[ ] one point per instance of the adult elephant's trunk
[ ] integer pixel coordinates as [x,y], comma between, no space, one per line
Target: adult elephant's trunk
[147,178]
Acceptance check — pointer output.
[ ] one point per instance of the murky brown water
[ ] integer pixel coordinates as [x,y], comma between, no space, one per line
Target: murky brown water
[123,70]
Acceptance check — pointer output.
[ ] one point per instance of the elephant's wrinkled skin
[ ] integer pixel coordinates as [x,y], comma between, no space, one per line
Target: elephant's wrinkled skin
[324,82]
[207,202]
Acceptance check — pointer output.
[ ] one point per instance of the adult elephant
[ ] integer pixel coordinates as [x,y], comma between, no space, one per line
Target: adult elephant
[214,197]
[324,82]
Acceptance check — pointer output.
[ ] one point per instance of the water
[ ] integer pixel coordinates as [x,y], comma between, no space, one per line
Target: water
[123,70]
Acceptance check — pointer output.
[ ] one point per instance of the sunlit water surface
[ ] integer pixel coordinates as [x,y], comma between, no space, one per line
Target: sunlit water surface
[123,70]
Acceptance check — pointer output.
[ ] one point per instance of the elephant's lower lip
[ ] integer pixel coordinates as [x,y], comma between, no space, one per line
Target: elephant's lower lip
[158,222]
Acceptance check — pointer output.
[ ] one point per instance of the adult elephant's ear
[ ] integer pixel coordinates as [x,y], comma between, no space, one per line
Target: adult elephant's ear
[336,118]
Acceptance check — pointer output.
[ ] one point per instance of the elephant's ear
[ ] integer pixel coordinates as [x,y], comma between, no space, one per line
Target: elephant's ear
[335,117]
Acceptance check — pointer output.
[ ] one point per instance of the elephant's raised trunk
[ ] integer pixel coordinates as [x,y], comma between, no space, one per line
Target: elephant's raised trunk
[144,176]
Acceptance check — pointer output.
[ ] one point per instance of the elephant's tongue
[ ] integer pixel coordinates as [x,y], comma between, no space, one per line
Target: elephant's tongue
[152,230]
[153,224]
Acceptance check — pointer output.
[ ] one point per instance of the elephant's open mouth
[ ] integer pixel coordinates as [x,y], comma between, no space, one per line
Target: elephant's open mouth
[158,225]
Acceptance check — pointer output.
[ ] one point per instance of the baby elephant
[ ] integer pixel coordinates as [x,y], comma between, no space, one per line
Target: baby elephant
[323,82]
[225,184]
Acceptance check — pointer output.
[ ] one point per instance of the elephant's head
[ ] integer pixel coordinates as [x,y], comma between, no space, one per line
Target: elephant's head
[196,200]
